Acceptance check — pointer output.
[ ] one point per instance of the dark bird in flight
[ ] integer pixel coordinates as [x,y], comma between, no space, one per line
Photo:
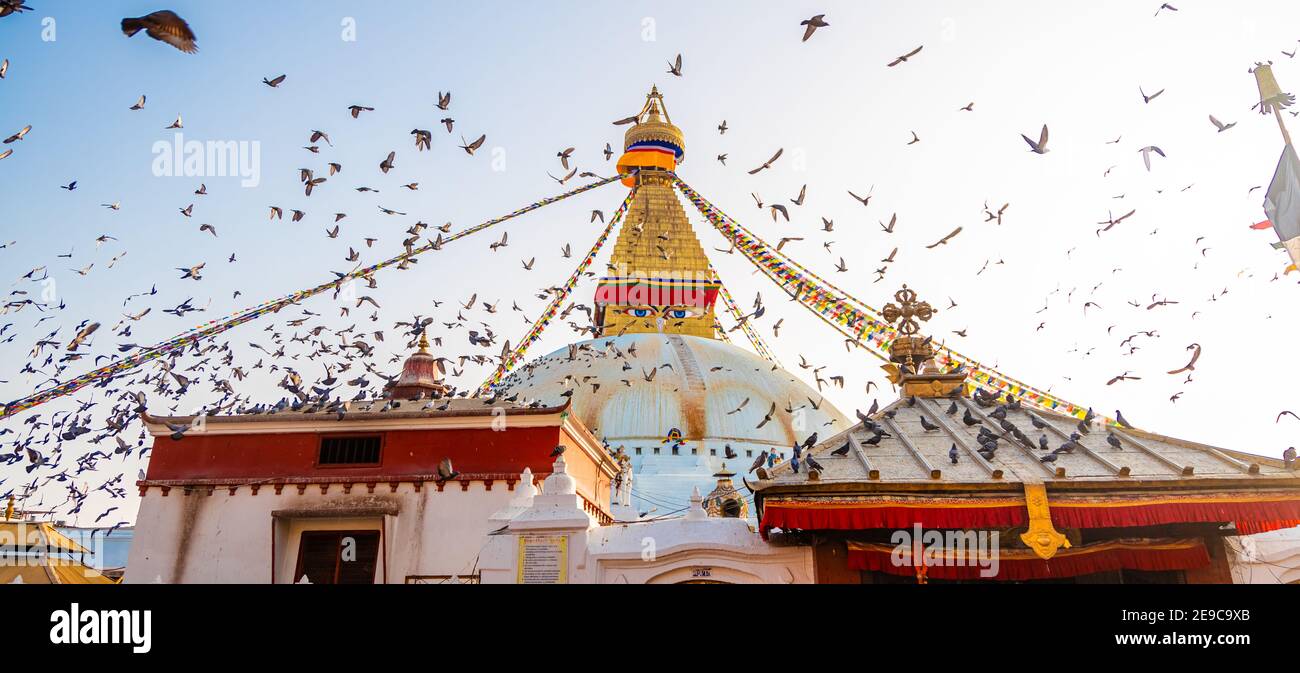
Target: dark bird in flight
[445,470]
[1191,365]
[675,68]
[945,239]
[769,162]
[1039,147]
[1220,125]
[767,418]
[164,26]
[904,57]
[470,147]
[812,25]
[8,7]
[1146,154]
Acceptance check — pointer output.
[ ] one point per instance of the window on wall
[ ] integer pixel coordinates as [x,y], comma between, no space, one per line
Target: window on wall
[338,556]
[352,450]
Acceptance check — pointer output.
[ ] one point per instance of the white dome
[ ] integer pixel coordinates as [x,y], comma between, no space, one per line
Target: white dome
[697,385]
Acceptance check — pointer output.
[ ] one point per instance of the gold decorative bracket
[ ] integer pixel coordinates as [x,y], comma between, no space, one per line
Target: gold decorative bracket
[1041,537]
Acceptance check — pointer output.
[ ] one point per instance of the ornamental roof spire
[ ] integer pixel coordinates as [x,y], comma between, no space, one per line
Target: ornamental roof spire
[421,375]
[911,355]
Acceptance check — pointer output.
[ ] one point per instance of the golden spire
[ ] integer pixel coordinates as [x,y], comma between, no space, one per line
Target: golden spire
[659,279]
[653,124]
[424,342]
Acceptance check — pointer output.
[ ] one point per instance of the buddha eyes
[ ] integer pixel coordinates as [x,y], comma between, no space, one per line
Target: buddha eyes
[671,313]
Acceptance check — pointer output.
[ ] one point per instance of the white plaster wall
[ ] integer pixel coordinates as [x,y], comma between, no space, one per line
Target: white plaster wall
[1265,558]
[790,565]
[228,539]
[617,554]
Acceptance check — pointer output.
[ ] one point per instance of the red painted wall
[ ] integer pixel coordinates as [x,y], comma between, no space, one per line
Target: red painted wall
[405,452]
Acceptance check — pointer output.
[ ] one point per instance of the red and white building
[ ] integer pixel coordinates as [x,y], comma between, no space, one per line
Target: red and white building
[274,497]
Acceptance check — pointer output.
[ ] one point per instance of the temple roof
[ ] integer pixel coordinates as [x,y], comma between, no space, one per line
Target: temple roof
[919,459]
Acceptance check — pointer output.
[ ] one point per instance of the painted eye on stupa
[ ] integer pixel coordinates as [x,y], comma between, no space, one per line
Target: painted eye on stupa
[679,313]
[639,312]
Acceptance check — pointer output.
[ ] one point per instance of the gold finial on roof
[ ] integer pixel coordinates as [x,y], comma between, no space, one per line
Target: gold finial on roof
[911,355]
[424,342]
[907,314]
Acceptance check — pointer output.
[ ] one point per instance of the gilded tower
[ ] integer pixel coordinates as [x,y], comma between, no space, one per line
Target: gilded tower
[659,278]
[659,383]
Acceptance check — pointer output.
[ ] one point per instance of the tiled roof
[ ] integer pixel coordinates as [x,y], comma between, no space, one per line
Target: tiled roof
[912,454]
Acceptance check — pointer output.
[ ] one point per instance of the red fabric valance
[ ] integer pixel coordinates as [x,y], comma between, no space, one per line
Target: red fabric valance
[1023,564]
[890,514]
[1252,513]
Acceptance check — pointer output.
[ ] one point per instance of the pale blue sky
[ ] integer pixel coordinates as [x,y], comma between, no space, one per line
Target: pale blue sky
[539,77]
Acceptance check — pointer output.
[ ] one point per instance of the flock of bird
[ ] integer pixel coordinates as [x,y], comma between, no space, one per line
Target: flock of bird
[321,367]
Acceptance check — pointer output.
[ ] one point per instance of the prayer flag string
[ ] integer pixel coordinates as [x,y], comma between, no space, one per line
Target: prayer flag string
[212,328]
[856,317]
[534,333]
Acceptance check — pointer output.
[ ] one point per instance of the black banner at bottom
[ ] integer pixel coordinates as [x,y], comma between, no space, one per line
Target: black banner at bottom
[305,622]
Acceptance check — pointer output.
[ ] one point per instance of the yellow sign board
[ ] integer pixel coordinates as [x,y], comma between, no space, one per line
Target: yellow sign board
[543,559]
